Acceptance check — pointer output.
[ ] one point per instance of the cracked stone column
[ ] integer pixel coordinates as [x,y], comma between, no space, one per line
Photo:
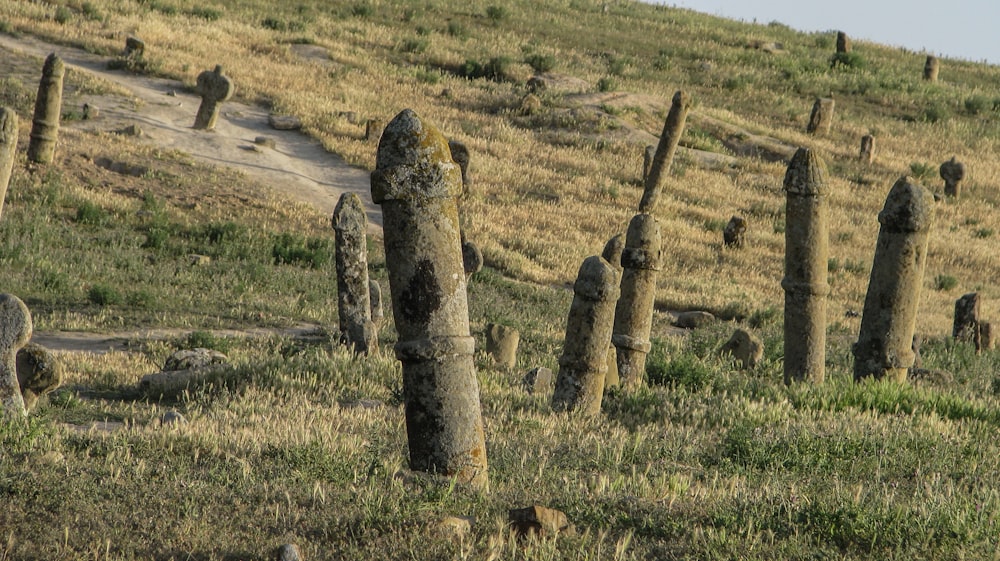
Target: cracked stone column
[673,128]
[884,347]
[8,150]
[214,87]
[353,290]
[821,118]
[48,110]
[15,332]
[417,183]
[640,261]
[580,383]
[805,283]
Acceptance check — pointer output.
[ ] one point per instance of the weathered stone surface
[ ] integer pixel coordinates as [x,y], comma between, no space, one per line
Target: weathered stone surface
[91,112]
[734,234]
[806,265]
[821,118]
[134,48]
[375,302]
[455,528]
[867,152]
[580,383]
[39,372]
[648,154]
[612,252]
[15,332]
[472,259]
[48,110]
[284,122]
[373,129]
[530,104]
[673,128]
[966,322]
[172,418]
[416,182]
[986,341]
[952,172]
[931,68]
[265,141]
[501,344]
[843,42]
[641,260]
[172,383]
[745,348]
[8,150]
[199,357]
[214,87]
[693,319]
[460,153]
[288,552]
[538,380]
[350,222]
[884,346]
[539,521]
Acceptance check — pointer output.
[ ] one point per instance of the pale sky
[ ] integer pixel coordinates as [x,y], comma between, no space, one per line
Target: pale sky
[966,29]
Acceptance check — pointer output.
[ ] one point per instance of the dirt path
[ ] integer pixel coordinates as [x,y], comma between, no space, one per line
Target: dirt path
[298,165]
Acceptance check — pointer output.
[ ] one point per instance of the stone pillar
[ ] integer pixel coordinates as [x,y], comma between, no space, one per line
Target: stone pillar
[867,153]
[501,344]
[613,255]
[890,313]
[460,153]
[966,324]
[641,261]
[375,302]
[374,128]
[214,87]
[580,382]
[416,183]
[48,110]
[822,116]
[472,258]
[952,172]
[673,128]
[734,235]
[805,281]
[134,48]
[986,342]
[647,161]
[8,150]
[353,289]
[843,42]
[931,68]
[15,332]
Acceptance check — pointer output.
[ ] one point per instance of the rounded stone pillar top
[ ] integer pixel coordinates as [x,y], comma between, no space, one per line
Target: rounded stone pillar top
[613,251]
[643,244]
[349,214]
[414,162]
[597,280]
[53,65]
[15,322]
[806,174]
[681,98]
[215,84]
[952,170]
[908,208]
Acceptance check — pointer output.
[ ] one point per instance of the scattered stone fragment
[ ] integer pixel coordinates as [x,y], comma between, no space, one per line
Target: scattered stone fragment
[966,323]
[417,184]
[214,87]
[48,110]
[173,383]
[455,528]
[884,346]
[199,260]
[8,150]
[734,234]
[536,85]
[986,342]
[539,521]
[530,104]
[821,118]
[582,367]
[673,128]
[373,129]
[134,48]
[15,332]
[90,112]
[931,68]
[350,223]
[472,259]
[641,259]
[460,153]
[265,141]
[199,357]
[501,344]
[284,122]
[693,320]
[131,130]
[952,172]
[288,552]
[39,372]
[538,380]
[171,418]
[843,42]
[867,152]
[745,348]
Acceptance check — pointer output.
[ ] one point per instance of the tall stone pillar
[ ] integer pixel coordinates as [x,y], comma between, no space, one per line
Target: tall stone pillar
[417,183]
[8,150]
[673,128]
[821,118]
[931,68]
[48,110]
[805,282]
[884,347]
[15,332]
[641,261]
[353,290]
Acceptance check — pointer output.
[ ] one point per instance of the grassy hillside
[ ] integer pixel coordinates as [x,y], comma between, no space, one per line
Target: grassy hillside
[301,443]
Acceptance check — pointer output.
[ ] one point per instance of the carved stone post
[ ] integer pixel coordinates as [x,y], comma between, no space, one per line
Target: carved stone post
[884,347]
[673,128]
[952,172]
[931,68]
[416,183]
[214,87]
[867,153]
[647,161]
[843,42]
[613,255]
[805,282]
[822,116]
[966,324]
[641,260]
[48,110]
[15,332]
[460,153]
[580,382]
[8,150]
[353,289]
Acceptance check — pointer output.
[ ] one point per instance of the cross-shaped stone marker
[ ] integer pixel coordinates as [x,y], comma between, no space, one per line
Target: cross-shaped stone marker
[214,87]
